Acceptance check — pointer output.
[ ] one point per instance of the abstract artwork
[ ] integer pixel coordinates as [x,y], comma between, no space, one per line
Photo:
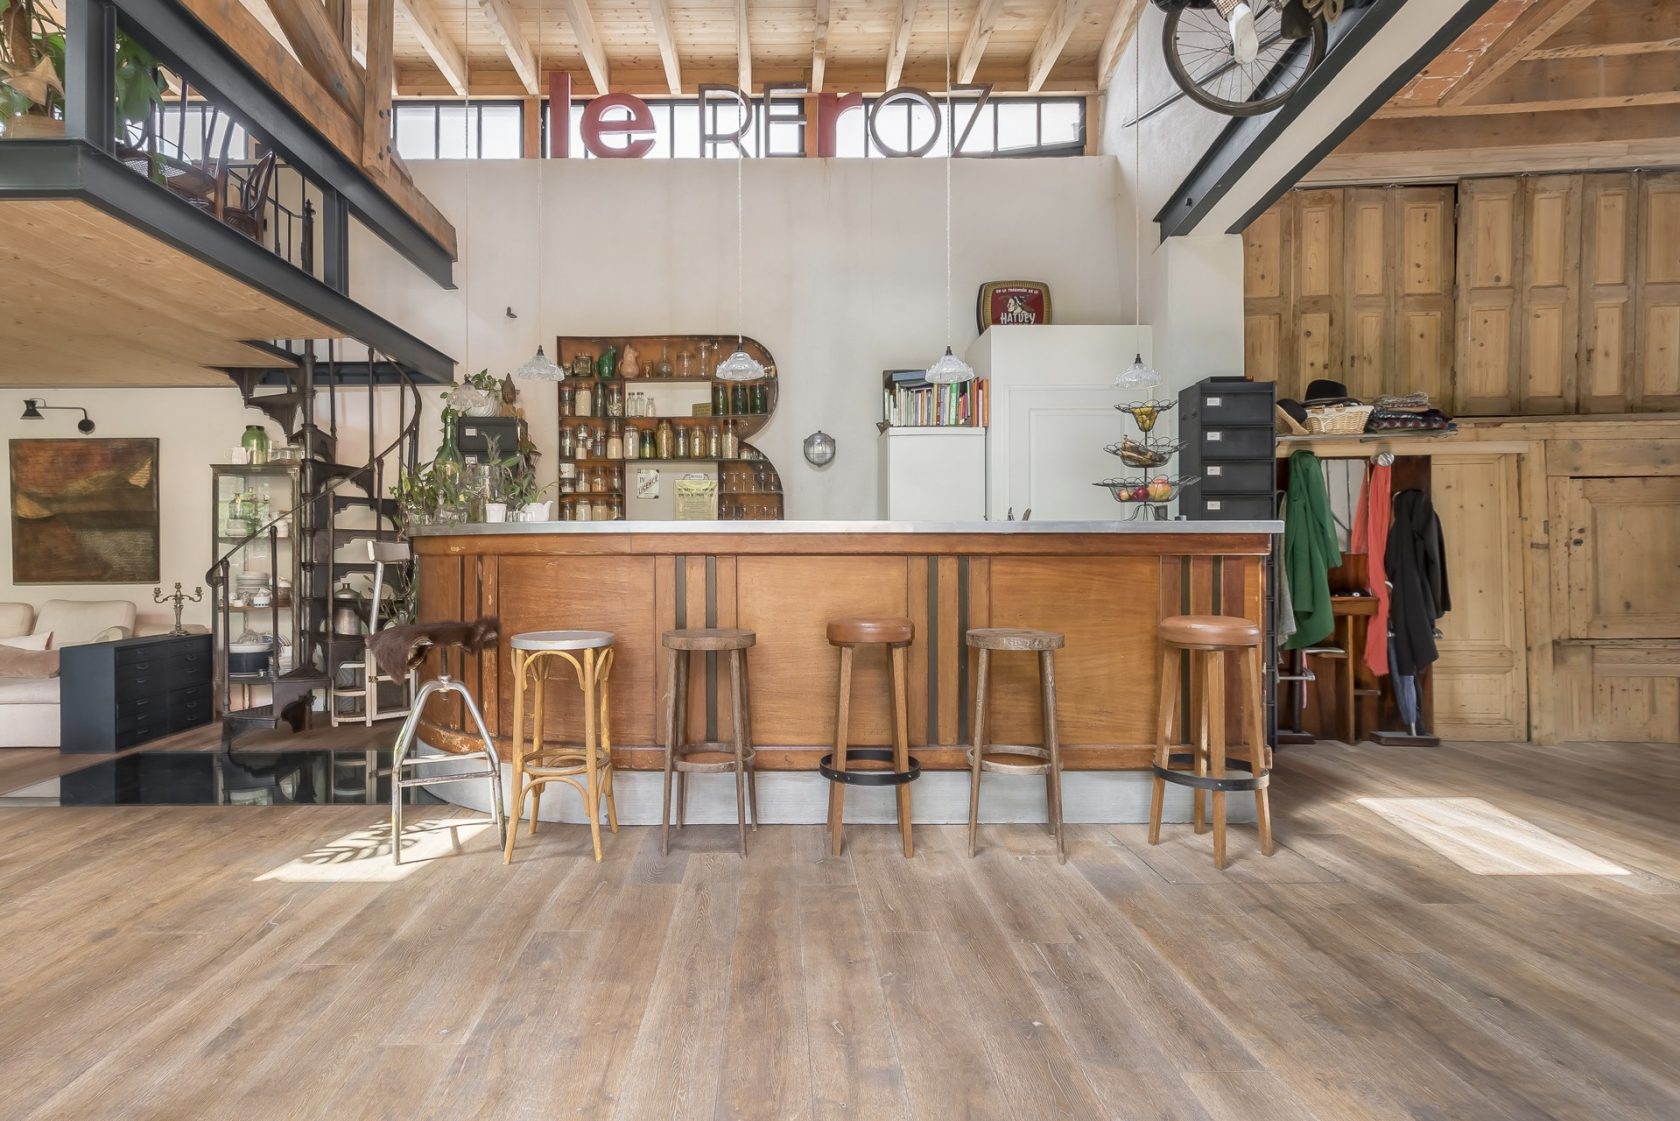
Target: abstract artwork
[84,511]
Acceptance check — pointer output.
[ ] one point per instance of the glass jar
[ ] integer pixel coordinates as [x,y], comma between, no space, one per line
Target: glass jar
[255,443]
[665,439]
[720,398]
[568,443]
[581,510]
[760,398]
[600,510]
[738,404]
[632,443]
[615,439]
[568,399]
[714,441]
[584,441]
[663,370]
[584,401]
[616,507]
[601,442]
[682,441]
[650,449]
[685,365]
[615,399]
[731,441]
[583,366]
[568,478]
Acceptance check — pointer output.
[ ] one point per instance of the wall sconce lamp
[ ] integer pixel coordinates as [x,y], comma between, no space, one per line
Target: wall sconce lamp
[32,407]
[819,449]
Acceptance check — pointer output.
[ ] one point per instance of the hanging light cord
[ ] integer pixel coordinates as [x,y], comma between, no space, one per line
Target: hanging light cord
[740,235]
[1137,179]
[950,154]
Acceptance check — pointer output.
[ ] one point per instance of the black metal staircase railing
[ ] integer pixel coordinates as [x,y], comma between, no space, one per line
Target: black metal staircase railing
[323,481]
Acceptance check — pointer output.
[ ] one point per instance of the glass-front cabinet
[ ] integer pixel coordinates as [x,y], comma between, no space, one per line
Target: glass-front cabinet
[264,574]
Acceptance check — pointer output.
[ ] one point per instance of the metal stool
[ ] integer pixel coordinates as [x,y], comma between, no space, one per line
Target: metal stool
[679,752]
[1015,759]
[590,654]
[895,634]
[1206,639]
[407,780]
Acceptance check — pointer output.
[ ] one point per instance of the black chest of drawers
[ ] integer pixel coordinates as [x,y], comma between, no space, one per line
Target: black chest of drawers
[114,695]
[1229,441]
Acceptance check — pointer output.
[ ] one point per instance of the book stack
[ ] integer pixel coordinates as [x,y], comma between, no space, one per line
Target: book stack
[909,400]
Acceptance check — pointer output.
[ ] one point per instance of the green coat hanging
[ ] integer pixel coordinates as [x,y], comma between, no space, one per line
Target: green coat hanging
[1309,551]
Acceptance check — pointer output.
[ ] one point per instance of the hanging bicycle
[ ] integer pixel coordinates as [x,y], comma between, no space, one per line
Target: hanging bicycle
[1245,57]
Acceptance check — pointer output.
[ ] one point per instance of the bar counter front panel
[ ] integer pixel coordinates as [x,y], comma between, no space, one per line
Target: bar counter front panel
[1103,585]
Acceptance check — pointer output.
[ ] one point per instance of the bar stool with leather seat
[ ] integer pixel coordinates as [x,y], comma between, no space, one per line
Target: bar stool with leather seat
[895,634]
[685,758]
[1206,640]
[1017,759]
[536,763]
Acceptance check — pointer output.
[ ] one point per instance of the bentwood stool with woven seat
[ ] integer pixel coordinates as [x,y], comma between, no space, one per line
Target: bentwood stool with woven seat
[400,650]
[1016,759]
[895,634]
[1206,640]
[536,763]
[708,757]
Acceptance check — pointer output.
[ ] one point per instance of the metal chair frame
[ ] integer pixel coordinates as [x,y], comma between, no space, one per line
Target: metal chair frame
[402,780]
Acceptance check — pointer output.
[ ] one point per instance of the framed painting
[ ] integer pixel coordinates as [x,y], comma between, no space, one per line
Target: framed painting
[84,511]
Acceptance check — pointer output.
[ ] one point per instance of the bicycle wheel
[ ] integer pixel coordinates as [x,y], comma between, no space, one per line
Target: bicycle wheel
[1197,45]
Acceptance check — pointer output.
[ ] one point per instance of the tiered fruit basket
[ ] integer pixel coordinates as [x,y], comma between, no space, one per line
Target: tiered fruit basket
[1151,486]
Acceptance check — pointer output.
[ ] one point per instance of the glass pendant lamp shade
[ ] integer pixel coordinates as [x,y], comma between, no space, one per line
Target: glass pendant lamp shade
[950,370]
[740,366]
[1138,376]
[539,367]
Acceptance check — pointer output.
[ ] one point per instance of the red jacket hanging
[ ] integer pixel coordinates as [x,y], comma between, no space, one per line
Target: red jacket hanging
[1370,536]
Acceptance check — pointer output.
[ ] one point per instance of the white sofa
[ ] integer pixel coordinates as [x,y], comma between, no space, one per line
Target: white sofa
[29,706]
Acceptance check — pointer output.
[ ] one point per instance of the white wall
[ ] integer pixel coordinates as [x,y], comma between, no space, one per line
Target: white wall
[845,274]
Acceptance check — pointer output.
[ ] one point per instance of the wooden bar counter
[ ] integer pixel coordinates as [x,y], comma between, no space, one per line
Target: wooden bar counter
[1103,584]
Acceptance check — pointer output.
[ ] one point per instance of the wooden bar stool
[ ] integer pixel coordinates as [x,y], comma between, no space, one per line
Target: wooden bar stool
[1016,759]
[1206,639]
[687,758]
[895,634]
[537,763]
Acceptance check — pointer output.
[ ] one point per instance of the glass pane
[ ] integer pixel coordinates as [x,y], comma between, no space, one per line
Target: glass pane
[850,132]
[1017,125]
[500,136]
[1062,120]
[578,151]
[685,131]
[980,133]
[454,141]
[921,124]
[416,139]
[786,138]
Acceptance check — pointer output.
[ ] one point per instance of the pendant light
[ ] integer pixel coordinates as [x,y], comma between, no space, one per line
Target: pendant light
[540,367]
[740,366]
[1139,375]
[948,369]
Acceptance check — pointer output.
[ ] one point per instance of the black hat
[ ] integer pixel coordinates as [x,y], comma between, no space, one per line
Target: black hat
[1323,391]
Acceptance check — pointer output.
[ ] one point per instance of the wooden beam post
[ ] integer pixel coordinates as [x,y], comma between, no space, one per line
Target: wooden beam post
[504,25]
[445,52]
[664,31]
[1064,17]
[743,48]
[376,105]
[316,44]
[589,42]
[1121,28]
[819,48]
[979,34]
[900,43]
[1532,27]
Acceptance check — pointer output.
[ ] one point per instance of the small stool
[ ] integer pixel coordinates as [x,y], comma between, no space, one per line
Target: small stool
[1015,759]
[679,752]
[1207,639]
[895,634]
[535,763]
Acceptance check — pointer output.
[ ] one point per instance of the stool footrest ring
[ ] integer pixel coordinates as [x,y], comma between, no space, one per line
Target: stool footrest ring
[869,778]
[1207,782]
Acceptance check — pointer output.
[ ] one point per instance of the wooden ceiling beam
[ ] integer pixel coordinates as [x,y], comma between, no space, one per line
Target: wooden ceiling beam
[979,35]
[1566,84]
[1121,27]
[381,77]
[1537,22]
[1064,18]
[1615,27]
[589,42]
[316,44]
[899,49]
[504,25]
[665,32]
[743,48]
[819,47]
[445,52]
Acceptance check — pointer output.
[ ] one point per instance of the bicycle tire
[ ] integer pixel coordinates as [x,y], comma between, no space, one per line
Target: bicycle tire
[1319,42]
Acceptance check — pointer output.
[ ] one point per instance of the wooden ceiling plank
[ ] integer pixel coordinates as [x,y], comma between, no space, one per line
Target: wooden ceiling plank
[1537,22]
[1549,85]
[1064,18]
[439,45]
[819,47]
[1121,28]
[315,42]
[665,32]
[743,48]
[504,25]
[979,35]
[1615,27]
[900,46]
[588,39]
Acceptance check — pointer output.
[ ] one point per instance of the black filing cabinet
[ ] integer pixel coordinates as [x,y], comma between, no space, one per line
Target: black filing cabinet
[1230,442]
[114,695]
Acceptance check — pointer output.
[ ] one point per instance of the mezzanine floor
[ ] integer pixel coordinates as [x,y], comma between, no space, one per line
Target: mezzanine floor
[1367,971]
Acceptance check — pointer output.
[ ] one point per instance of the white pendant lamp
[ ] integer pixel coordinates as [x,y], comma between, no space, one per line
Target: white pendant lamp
[1139,375]
[540,367]
[948,369]
[739,366]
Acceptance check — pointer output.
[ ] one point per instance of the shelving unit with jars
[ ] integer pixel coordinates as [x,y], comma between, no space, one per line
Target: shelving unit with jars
[263,585]
[633,399]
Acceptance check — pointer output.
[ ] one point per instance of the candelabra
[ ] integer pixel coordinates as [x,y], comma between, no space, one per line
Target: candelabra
[179,599]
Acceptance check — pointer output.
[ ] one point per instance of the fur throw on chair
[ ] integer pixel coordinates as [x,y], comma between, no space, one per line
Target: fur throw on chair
[396,650]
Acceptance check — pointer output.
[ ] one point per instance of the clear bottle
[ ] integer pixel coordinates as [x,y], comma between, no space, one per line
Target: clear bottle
[632,443]
[731,442]
[665,439]
[601,442]
[615,439]
[650,448]
[682,441]
[615,398]
[714,441]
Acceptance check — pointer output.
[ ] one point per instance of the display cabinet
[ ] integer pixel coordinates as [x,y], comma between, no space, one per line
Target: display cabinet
[646,431]
[264,578]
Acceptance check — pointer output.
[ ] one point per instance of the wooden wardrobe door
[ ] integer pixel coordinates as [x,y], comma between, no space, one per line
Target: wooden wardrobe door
[1268,314]
[1320,339]
[1489,306]
[1656,383]
[1609,225]
[1422,306]
[1369,259]
[1550,297]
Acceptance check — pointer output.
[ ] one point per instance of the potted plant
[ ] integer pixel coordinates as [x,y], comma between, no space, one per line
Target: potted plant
[523,493]
[502,472]
[417,497]
[32,74]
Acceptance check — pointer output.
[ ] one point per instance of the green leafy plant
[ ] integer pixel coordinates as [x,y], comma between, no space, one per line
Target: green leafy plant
[32,68]
[416,493]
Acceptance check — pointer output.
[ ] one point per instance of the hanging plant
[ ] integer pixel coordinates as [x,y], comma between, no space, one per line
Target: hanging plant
[32,70]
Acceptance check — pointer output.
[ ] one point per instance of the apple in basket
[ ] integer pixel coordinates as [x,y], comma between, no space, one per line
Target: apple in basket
[1140,494]
[1160,488]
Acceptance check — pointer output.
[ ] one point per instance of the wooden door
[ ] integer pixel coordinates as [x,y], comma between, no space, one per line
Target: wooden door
[1550,295]
[1368,290]
[1268,313]
[1316,311]
[1489,309]
[1421,357]
[1623,550]
[1481,680]
[1609,252]
[1657,355]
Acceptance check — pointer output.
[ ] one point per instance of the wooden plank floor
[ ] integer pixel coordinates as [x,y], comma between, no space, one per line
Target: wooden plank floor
[148,973]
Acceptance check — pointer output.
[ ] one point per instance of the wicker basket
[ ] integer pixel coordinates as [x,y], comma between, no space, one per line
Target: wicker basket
[1337,420]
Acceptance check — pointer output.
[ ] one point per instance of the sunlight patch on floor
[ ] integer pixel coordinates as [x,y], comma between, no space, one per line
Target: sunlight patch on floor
[365,855]
[1486,841]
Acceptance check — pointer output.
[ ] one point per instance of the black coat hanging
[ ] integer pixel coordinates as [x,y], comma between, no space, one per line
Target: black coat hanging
[1416,566]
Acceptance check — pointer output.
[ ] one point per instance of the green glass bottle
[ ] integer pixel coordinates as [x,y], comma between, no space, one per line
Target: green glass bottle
[760,398]
[255,443]
[740,402]
[720,398]
[448,466]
